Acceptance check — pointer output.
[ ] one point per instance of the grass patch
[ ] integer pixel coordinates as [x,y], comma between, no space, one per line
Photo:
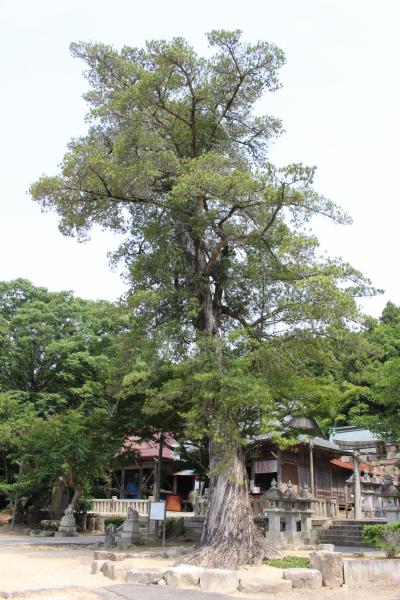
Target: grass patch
[288,562]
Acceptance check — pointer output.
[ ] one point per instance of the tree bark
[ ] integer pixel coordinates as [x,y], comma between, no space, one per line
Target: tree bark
[230,537]
[76,496]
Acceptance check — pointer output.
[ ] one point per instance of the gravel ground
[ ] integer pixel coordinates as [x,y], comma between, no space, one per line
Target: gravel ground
[56,573]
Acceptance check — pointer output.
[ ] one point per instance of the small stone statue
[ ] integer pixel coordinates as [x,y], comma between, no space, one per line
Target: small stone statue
[67,526]
[109,541]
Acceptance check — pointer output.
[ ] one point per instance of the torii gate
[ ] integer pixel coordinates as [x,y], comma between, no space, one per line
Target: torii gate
[355,447]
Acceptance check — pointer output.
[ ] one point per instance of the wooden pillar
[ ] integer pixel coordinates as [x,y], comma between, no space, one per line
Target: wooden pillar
[16,497]
[175,484]
[357,485]
[122,486]
[155,470]
[312,480]
[253,472]
[159,464]
[279,467]
[140,481]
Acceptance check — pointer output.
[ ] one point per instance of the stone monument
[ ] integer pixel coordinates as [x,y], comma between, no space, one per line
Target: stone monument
[109,540]
[67,526]
[129,532]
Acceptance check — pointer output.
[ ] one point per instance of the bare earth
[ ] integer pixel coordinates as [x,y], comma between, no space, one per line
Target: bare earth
[29,568]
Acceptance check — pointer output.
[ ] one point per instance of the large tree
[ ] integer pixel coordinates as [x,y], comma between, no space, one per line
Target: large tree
[55,360]
[217,240]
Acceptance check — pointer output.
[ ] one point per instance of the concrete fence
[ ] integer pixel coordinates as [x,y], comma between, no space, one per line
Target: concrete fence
[116,506]
[325,509]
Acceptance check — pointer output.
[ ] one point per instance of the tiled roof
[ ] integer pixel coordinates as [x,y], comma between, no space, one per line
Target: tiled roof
[349,465]
[149,449]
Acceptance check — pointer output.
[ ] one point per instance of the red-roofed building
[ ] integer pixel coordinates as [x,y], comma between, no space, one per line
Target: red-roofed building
[142,462]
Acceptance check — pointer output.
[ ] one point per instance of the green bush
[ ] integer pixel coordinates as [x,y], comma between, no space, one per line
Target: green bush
[117,521]
[384,537]
[169,524]
[84,504]
[288,562]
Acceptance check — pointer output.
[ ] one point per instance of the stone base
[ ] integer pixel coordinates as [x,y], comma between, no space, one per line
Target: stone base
[41,533]
[66,534]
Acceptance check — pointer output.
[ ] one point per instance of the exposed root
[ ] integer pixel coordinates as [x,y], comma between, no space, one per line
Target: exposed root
[231,554]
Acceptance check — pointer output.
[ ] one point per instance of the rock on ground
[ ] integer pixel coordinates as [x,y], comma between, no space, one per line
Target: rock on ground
[265,586]
[330,564]
[309,579]
[114,570]
[223,581]
[105,555]
[177,551]
[329,547]
[97,566]
[183,576]
[144,576]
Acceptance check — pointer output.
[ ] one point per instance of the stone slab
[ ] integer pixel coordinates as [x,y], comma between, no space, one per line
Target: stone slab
[183,576]
[330,565]
[309,579]
[144,576]
[371,571]
[97,565]
[224,581]
[114,570]
[265,586]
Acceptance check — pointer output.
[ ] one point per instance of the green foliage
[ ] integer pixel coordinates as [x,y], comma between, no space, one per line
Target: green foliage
[117,521]
[384,537]
[84,504]
[369,377]
[55,348]
[55,360]
[73,445]
[288,562]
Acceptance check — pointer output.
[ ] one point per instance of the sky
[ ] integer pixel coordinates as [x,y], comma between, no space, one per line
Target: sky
[339,104]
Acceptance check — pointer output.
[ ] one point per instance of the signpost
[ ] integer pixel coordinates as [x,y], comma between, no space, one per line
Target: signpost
[157,512]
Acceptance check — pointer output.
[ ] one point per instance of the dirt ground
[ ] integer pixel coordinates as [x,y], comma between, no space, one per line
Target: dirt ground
[45,568]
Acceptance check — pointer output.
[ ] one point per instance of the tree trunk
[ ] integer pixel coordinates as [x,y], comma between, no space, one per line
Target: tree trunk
[56,507]
[76,496]
[229,537]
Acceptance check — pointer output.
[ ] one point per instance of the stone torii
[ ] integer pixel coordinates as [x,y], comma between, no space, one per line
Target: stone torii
[355,447]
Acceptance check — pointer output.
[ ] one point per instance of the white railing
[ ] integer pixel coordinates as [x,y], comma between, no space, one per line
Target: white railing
[325,508]
[116,506]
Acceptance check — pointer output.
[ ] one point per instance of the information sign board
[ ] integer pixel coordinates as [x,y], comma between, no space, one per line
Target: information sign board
[157,511]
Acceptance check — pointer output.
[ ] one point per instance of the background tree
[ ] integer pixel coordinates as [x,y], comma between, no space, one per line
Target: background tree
[75,445]
[55,359]
[16,417]
[370,377]
[217,242]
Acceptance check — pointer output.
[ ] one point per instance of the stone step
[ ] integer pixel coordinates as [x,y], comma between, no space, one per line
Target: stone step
[341,538]
[351,525]
[357,522]
[341,541]
[345,530]
[350,543]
